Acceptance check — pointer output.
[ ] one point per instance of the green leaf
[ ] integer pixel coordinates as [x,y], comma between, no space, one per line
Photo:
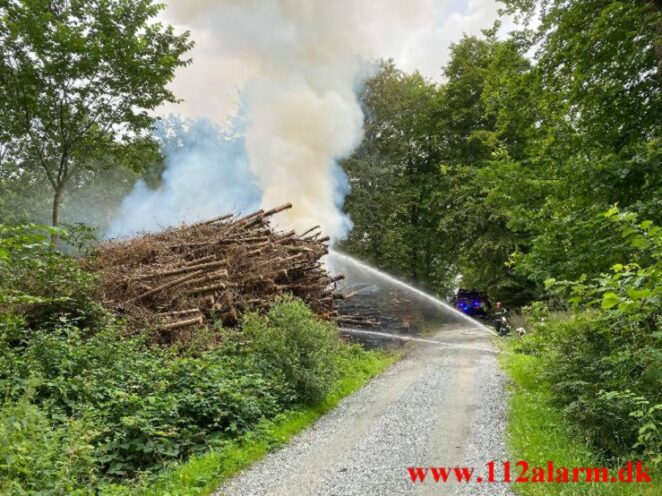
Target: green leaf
[611,212]
[648,426]
[639,294]
[627,307]
[610,299]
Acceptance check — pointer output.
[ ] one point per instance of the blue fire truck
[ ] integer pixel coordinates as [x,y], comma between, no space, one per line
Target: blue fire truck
[472,302]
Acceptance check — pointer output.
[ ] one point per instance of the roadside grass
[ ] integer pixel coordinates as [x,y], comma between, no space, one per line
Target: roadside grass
[538,432]
[205,473]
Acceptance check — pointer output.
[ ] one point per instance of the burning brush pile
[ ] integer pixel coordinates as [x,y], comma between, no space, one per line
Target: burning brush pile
[213,271]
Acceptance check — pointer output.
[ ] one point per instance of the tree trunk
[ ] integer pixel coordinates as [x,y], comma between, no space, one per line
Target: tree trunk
[413,254]
[57,198]
[657,41]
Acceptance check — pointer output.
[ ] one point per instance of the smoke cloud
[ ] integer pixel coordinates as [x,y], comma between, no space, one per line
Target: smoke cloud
[302,112]
[292,67]
[206,175]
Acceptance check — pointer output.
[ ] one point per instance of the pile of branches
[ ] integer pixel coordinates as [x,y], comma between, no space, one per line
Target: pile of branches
[213,271]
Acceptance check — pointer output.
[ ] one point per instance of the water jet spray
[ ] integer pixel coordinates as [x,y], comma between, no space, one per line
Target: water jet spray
[409,288]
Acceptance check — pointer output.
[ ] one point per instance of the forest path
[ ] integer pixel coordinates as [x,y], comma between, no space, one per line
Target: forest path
[441,405]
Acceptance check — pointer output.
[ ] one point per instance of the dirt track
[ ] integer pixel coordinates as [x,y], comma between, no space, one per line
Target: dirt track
[441,405]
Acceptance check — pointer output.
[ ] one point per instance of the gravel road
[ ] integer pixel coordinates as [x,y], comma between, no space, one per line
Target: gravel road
[441,405]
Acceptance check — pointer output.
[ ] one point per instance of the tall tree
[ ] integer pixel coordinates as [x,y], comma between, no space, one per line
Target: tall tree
[595,136]
[506,167]
[394,176]
[417,202]
[77,81]
[472,132]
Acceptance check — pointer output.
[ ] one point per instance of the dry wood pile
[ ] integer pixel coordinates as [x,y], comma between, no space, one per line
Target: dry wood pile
[214,271]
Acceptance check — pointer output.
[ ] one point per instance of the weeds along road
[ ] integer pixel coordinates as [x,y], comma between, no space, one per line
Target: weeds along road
[441,405]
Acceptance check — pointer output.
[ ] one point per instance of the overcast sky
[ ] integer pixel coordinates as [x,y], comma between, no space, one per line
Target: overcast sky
[416,33]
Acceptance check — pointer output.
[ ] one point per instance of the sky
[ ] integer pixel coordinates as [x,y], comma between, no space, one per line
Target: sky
[415,33]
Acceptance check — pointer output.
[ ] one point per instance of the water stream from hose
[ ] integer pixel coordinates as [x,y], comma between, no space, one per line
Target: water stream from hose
[409,288]
[398,337]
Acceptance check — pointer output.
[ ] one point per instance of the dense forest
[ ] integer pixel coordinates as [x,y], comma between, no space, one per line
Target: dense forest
[502,173]
[533,171]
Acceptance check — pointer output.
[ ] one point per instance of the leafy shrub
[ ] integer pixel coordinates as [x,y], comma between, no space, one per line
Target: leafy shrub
[38,457]
[604,361]
[148,404]
[41,283]
[631,290]
[139,406]
[290,342]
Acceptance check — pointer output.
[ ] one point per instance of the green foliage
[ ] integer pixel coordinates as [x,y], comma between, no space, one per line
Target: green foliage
[292,344]
[205,473]
[84,406]
[41,457]
[604,361]
[43,285]
[144,406]
[538,431]
[102,66]
[593,135]
[147,405]
[501,172]
[395,175]
[417,203]
[632,290]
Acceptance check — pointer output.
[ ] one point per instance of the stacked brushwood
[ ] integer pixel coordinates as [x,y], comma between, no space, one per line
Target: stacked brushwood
[213,271]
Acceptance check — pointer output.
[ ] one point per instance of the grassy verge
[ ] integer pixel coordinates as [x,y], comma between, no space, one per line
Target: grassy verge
[203,474]
[538,432]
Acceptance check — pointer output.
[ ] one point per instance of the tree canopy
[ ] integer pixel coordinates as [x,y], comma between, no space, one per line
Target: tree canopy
[501,172]
[78,80]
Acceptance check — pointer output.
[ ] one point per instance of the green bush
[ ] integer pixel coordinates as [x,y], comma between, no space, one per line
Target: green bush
[41,283]
[291,343]
[600,375]
[148,404]
[39,457]
[139,406]
[603,360]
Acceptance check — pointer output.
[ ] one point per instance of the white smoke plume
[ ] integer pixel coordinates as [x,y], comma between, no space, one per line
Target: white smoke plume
[302,110]
[206,175]
[293,67]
